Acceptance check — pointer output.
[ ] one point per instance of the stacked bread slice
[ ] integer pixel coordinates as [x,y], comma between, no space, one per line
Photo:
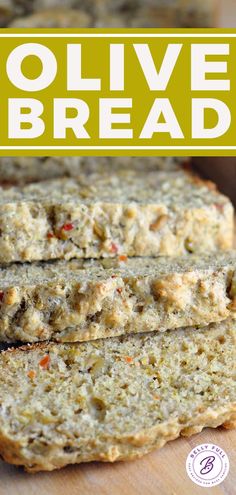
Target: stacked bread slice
[135,261]
[107,13]
[134,211]
[79,300]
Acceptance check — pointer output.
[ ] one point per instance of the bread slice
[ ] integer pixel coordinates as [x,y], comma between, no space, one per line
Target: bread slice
[81,300]
[157,13]
[55,18]
[20,170]
[109,13]
[131,211]
[114,399]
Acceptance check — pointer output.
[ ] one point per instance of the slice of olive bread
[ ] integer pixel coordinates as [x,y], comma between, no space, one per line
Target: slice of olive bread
[58,17]
[132,211]
[108,13]
[114,399]
[20,170]
[82,300]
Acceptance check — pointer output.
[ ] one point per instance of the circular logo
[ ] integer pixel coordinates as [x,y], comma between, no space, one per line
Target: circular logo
[207,465]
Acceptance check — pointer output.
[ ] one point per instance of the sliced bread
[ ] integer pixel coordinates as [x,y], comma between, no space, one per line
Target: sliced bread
[131,211]
[114,399]
[20,170]
[109,13]
[81,300]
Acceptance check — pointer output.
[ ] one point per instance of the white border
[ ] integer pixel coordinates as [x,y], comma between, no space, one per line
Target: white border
[118,147]
[117,35]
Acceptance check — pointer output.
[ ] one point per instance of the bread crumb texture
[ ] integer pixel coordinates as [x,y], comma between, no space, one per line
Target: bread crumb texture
[21,170]
[114,399]
[80,300]
[107,13]
[130,211]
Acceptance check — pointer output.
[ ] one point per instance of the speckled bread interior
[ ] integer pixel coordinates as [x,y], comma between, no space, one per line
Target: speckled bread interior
[108,13]
[131,211]
[80,300]
[114,399]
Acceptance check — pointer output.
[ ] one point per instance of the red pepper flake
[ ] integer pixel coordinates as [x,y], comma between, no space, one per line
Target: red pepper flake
[67,227]
[114,248]
[119,290]
[219,206]
[1,295]
[45,362]
[123,257]
[128,359]
[50,235]
[114,276]
[31,374]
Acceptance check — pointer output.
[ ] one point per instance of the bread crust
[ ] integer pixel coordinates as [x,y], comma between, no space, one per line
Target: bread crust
[127,448]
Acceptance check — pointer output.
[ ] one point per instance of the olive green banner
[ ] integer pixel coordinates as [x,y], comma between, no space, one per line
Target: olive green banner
[118,92]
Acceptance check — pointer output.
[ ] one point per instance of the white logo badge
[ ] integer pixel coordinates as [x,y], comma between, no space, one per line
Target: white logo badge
[207,465]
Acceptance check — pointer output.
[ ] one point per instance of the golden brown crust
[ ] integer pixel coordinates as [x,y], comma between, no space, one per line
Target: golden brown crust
[197,180]
[127,448]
